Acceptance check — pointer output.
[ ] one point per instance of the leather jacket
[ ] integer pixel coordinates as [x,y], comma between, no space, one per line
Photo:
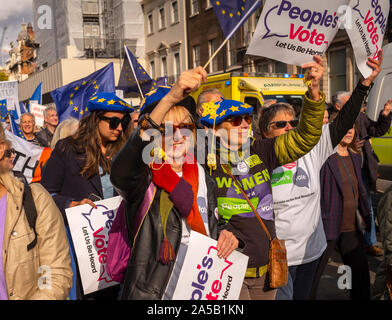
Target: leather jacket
[146,278]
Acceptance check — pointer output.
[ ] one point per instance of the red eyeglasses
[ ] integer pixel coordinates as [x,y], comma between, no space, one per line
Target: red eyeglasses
[237,120]
[186,129]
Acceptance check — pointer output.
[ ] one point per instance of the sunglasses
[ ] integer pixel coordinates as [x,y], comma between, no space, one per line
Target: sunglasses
[8,153]
[114,122]
[283,124]
[186,129]
[237,120]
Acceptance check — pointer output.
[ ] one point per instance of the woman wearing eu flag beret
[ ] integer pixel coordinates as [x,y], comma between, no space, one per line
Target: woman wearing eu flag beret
[78,170]
[245,166]
[167,195]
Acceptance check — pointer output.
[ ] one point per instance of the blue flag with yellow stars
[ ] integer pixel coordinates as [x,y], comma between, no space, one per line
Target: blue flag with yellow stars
[15,129]
[135,73]
[71,100]
[231,14]
[3,110]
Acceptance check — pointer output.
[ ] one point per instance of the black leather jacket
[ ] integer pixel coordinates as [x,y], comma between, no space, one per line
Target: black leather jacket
[146,278]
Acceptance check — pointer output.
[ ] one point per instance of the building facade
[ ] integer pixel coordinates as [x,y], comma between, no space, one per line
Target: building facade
[205,36]
[166,50]
[87,29]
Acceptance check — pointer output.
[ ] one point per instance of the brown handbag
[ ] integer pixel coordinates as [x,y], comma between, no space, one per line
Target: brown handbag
[277,267]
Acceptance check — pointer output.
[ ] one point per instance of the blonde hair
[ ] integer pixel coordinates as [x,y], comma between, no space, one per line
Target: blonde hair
[64,129]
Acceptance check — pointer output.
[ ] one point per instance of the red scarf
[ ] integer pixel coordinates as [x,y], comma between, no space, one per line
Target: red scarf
[168,179]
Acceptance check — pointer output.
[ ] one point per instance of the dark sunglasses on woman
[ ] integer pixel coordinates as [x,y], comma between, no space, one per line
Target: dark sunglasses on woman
[237,120]
[115,121]
[186,129]
[8,153]
[283,124]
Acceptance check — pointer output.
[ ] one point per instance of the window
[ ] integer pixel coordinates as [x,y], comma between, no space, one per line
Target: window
[161,18]
[177,65]
[231,52]
[152,68]
[174,12]
[262,67]
[196,56]
[163,66]
[194,7]
[212,48]
[208,4]
[280,67]
[150,24]
[337,70]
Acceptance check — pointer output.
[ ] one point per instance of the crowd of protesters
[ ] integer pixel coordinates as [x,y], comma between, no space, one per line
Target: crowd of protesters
[325,206]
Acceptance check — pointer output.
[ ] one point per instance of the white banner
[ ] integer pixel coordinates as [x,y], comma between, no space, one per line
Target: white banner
[293,31]
[29,158]
[382,89]
[38,111]
[369,22]
[204,276]
[9,91]
[89,230]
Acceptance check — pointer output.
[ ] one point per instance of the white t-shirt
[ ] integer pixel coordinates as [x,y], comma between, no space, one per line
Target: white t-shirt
[296,194]
[203,208]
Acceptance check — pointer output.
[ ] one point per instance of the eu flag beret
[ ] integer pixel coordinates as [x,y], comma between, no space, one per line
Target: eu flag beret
[221,110]
[108,101]
[153,97]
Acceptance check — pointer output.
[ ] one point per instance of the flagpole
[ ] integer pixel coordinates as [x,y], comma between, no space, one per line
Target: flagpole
[246,16]
[134,74]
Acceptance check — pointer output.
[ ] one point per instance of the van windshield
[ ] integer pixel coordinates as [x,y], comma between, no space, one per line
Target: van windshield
[294,100]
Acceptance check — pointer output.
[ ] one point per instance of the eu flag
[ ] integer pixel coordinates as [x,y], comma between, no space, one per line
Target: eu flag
[22,108]
[15,129]
[231,14]
[133,73]
[37,95]
[71,100]
[3,110]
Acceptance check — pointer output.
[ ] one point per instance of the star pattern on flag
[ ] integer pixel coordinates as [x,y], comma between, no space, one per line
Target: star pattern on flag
[231,14]
[78,111]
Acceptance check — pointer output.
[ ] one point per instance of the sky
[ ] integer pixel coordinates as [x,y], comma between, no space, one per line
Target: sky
[11,16]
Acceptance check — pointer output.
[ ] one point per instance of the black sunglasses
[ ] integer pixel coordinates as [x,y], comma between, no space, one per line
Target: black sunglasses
[237,120]
[8,153]
[283,124]
[114,122]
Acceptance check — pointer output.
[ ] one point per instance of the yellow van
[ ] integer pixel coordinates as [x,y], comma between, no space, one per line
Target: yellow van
[253,88]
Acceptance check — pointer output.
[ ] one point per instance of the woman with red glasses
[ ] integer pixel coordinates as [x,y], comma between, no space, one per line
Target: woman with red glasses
[296,189]
[78,169]
[177,193]
[250,163]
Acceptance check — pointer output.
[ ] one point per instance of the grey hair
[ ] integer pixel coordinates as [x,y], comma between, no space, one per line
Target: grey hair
[50,108]
[202,97]
[27,114]
[269,113]
[337,97]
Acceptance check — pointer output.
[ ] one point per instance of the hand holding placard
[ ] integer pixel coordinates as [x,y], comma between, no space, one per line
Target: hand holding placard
[314,74]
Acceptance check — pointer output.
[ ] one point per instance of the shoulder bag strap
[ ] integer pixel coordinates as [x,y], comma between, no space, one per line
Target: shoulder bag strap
[31,213]
[247,199]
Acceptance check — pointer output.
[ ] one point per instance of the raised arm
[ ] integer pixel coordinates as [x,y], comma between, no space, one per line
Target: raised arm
[348,114]
[296,143]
